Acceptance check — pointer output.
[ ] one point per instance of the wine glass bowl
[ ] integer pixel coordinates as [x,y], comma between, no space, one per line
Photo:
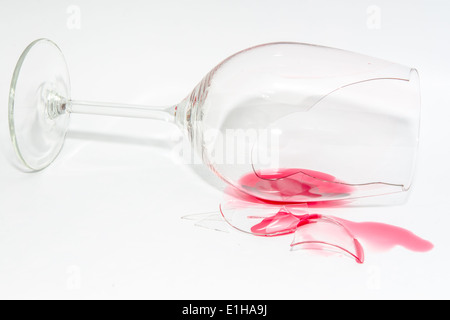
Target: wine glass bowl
[293,122]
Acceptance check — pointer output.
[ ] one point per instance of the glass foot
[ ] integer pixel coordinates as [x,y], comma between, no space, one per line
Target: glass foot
[39,89]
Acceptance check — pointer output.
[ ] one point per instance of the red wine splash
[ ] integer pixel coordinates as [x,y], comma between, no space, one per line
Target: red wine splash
[292,185]
[287,183]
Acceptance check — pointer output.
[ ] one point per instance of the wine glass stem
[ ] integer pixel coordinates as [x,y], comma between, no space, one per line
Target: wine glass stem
[121,110]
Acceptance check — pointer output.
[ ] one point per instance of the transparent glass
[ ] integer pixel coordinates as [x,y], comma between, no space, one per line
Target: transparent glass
[311,231]
[284,122]
[326,234]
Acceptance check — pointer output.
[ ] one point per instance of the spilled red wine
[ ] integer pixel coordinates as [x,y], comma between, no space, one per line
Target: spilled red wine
[292,185]
[311,230]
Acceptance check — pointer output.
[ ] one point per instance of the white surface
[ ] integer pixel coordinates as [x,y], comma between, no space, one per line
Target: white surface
[104,220]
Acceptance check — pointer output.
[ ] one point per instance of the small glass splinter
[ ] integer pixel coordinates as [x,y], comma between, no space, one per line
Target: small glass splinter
[328,235]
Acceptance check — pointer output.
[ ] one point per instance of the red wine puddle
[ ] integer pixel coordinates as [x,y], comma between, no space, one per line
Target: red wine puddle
[311,230]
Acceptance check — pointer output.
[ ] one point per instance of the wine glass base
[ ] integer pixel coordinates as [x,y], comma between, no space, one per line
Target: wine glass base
[40,86]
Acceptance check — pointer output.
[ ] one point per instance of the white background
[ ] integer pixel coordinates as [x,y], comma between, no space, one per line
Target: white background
[104,221]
